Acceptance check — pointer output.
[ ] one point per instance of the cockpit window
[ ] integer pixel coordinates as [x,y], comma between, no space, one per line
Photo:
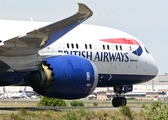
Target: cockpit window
[146,50]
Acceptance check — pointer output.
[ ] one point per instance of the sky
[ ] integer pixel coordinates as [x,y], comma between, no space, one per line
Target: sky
[147,20]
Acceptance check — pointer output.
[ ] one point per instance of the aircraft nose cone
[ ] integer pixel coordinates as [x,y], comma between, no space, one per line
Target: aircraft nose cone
[154,67]
[151,68]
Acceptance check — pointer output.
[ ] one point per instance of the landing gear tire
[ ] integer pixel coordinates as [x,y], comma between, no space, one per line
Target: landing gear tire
[119,101]
[123,101]
[115,102]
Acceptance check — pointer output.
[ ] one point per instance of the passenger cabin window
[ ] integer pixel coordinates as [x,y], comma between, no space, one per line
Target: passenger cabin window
[108,47]
[103,47]
[90,46]
[116,47]
[67,45]
[120,47]
[77,46]
[85,46]
[72,45]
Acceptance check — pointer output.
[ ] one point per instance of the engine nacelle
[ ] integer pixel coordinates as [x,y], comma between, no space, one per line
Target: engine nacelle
[66,77]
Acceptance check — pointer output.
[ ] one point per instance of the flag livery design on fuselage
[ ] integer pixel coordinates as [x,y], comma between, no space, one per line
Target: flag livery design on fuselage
[137,52]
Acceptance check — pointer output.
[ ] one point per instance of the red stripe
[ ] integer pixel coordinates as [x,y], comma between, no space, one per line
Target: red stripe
[121,41]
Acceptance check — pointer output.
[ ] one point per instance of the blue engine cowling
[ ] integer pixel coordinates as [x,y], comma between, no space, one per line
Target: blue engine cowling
[73,77]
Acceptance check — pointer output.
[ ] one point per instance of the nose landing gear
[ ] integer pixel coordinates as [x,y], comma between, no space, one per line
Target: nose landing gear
[119,101]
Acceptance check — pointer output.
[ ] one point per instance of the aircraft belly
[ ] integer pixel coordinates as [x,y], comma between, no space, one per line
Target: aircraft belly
[12,78]
[127,79]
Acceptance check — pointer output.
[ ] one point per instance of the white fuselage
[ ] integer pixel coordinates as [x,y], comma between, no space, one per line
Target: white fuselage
[90,41]
[85,40]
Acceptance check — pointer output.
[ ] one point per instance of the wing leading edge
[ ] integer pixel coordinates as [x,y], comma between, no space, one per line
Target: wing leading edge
[35,40]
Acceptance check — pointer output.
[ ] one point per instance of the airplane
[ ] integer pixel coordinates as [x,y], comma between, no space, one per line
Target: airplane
[91,96]
[68,60]
[5,94]
[18,95]
[30,94]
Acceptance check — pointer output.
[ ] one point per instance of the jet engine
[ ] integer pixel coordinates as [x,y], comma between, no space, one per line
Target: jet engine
[66,77]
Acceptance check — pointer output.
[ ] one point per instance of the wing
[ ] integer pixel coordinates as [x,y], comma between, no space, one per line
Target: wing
[35,40]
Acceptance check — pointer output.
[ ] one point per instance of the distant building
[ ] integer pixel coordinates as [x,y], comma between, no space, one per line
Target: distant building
[155,88]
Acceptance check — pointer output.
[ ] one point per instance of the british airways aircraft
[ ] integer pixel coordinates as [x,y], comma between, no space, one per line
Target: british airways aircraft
[68,60]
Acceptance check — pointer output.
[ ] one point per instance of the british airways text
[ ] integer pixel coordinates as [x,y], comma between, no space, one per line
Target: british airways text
[100,56]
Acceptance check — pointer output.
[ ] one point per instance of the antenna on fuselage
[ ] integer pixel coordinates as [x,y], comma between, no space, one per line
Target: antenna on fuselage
[31,19]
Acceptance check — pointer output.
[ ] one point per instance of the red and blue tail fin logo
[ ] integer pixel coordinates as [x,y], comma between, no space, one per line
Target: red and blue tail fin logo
[137,52]
[4,90]
[23,92]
